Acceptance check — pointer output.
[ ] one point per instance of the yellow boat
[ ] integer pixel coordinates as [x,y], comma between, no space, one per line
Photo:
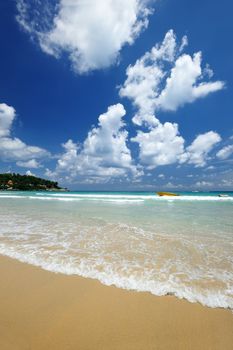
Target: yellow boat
[167,194]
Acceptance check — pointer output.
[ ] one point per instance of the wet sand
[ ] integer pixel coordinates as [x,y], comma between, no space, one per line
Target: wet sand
[43,310]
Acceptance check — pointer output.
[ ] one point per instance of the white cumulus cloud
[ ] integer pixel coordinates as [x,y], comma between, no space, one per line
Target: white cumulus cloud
[91,32]
[161,145]
[225,152]
[32,163]
[7,115]
[197,153]
[12,148]
[144,78]
[29,173]
[166,79]
[103,155]
[182,85]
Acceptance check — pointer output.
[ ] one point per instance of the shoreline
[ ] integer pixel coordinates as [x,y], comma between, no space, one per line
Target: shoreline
[45,310]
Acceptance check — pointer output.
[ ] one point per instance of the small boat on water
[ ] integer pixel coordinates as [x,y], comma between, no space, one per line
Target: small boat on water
[223,195]
[167,194]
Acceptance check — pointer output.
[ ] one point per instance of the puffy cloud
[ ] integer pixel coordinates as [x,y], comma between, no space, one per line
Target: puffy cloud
[225,152]
[7,115]
[142,85]
[182,87]
[13,149]
[32,163]
[162,145]
[197,152]
[165,79]
[68,159]
[161,176]
[91,32]
[104,154]
[29,173]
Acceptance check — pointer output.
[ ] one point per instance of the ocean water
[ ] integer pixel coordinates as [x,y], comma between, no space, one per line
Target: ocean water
[181,245]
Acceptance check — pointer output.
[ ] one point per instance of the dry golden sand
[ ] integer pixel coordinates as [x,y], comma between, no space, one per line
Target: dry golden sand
[42,310]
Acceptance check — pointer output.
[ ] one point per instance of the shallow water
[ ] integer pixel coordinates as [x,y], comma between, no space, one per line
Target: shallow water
[181,245]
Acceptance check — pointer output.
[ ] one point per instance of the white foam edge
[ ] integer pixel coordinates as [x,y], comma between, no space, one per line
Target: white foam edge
[132,198]
[48,198]
[155,197]
[213,300]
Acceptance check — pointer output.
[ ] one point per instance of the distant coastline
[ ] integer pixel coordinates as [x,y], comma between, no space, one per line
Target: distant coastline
[17,182]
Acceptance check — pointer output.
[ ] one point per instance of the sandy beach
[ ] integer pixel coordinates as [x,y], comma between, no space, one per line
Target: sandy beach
[44,310]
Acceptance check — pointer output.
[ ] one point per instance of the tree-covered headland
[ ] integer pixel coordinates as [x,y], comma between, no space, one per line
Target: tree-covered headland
[27,183]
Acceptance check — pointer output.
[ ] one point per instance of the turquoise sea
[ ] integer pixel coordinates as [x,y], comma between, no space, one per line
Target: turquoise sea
[133,240]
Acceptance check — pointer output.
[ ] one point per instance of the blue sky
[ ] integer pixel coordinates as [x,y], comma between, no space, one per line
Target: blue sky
[118,95]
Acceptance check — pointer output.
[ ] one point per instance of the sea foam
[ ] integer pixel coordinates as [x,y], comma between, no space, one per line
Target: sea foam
[157,246]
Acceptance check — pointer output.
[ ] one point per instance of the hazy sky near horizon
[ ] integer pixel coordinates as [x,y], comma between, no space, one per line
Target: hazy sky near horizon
[108,94]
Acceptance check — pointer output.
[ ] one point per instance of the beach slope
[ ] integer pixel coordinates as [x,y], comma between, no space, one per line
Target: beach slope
[44,310]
